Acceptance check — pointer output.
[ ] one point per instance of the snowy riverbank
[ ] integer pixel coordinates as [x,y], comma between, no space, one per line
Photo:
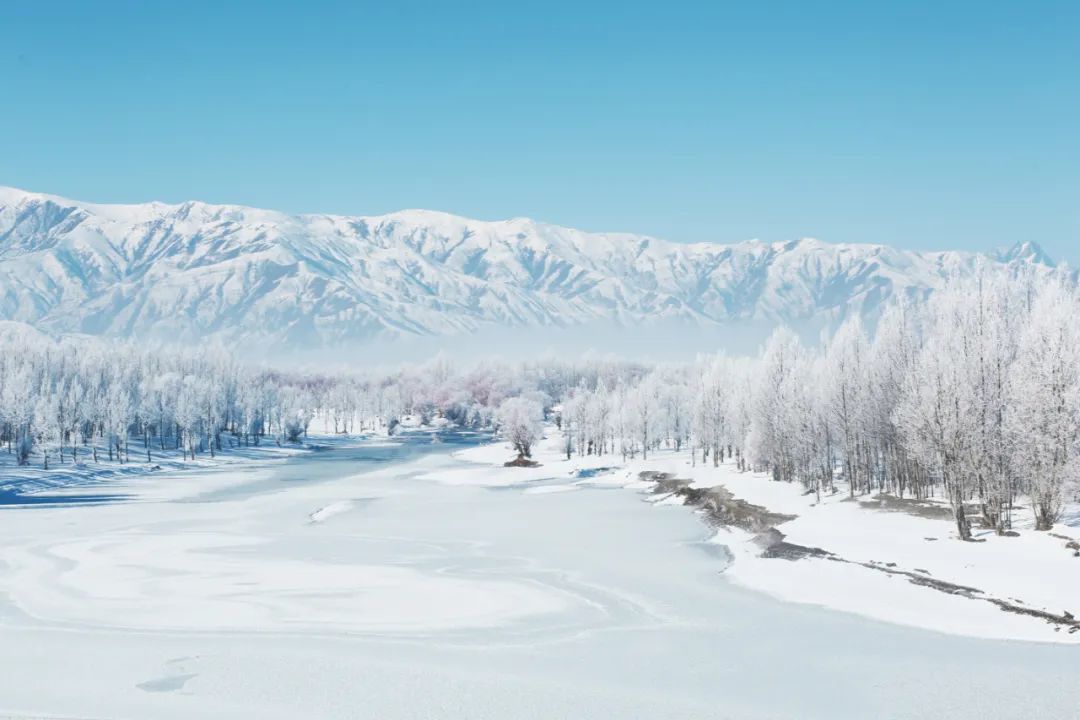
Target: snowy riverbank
[876,556]
[80,481]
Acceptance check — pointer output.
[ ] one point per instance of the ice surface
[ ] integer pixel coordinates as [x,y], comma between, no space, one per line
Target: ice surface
[215,595]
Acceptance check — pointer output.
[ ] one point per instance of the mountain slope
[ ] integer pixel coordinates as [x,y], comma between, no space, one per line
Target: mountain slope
[193,270]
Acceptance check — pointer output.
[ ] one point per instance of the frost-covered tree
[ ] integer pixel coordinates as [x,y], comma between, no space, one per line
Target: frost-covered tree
[846,397]
[519,420]
[712,409]
[935,412]
[1043,400]
[773,418]
[646,407]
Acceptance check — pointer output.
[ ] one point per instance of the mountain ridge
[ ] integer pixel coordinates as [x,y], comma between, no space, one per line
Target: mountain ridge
[191,270]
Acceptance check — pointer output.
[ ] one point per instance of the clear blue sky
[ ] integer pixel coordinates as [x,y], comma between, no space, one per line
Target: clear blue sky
[921,124]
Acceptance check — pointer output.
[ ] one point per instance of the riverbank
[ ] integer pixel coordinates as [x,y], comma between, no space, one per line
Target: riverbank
[85,480]
[896,560]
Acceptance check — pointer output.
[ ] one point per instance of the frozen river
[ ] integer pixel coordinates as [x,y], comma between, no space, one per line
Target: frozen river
[338,584]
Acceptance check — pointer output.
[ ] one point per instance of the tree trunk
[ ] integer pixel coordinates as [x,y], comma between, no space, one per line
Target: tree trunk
[963,527]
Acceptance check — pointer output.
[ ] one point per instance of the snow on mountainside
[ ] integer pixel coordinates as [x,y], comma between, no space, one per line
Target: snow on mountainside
[247,275]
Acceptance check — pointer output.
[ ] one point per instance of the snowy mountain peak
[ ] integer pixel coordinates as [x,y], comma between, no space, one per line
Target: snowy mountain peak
[191,270]
[1027,251]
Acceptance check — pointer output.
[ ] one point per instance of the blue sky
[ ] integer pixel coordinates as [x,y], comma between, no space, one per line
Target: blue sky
[920,124]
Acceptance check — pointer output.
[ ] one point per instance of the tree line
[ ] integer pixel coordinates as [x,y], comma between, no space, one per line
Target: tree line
[76,400]
[971,395]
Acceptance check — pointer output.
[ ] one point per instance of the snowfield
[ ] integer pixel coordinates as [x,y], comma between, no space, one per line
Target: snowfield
[405,578]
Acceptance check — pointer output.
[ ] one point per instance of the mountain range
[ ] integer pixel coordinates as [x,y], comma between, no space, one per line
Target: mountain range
[193,270]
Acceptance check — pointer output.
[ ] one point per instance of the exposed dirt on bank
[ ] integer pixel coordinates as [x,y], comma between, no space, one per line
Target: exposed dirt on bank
[722,509]
[911,506]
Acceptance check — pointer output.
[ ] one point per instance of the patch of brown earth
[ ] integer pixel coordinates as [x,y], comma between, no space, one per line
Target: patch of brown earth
[910,506]
[521,461]
[722,509]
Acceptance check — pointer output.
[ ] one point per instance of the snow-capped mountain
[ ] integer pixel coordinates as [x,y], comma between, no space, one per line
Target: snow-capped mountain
[193,270]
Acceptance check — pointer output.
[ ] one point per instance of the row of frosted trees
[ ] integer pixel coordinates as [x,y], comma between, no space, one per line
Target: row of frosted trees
[60,400]
[73,401]
[972,396]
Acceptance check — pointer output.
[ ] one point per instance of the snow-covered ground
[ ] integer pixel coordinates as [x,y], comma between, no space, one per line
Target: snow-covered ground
[407,578]
[1033,570]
